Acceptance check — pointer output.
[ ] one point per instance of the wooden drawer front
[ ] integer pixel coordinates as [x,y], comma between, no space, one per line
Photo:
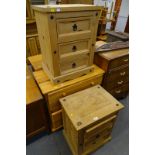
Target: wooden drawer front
[117,73]
[74,48]
[53,98]
[100,127]
[74,64]
[74,29]
[56,119]
[120,61]
[100,137]
[117,92]
[116,83]
[98,133]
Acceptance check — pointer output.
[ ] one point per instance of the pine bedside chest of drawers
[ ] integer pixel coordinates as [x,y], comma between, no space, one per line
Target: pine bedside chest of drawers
[88,119]
[52,92]
[116,66]
[67,34]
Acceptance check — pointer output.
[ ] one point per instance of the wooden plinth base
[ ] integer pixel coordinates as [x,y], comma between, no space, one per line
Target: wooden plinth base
[69,76]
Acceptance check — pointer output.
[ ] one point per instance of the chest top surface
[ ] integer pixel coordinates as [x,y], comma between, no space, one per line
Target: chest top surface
[65,7]
[114,54]
[89,105]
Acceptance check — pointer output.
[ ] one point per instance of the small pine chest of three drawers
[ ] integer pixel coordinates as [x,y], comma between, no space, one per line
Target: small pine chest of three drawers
[67,34]
[88,119]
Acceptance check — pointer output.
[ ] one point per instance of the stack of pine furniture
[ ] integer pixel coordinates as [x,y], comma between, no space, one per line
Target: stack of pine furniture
[88,119]
[65,73]
[67,35]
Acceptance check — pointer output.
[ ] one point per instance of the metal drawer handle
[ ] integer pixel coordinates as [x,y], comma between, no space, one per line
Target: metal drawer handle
[126,60]
[123,73]
[118,91]
[74,27]
[119,82]
[73,65]
[74,48]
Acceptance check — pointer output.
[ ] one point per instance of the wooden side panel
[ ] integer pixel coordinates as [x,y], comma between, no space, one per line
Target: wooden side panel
[35,119]
[71,133]
[44,38]
[101,62]
[53,41]
[95,20]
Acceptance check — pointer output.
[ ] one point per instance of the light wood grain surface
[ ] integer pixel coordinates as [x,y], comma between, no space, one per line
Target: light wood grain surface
[91,105]
[65,7]
[35,61]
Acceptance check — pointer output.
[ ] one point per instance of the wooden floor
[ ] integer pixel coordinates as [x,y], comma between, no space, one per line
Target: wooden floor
[55,144]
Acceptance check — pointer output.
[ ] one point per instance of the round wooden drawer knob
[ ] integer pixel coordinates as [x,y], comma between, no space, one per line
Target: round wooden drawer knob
[63,94]
[92,83]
